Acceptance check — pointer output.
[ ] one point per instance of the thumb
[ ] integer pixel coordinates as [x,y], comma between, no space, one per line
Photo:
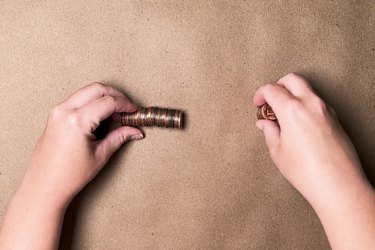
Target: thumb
[113,141]
[271,132]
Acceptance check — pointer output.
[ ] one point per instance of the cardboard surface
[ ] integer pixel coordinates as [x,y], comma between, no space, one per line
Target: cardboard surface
[211,186]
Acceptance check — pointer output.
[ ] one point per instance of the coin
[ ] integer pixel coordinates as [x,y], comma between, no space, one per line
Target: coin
[265,112]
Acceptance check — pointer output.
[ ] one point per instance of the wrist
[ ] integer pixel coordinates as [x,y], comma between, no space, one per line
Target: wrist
[341,195]
[33,216]
[336,183]
[48,186]
[38,193]
[348,217]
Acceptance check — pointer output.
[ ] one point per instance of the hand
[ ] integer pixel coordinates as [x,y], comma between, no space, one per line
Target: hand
[68,155]
[65,159]
[309,146]
[315,155]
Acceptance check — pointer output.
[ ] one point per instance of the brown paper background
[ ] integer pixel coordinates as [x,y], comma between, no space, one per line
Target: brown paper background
[211,186]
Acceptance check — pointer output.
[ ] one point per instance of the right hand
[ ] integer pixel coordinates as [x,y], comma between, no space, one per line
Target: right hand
[309,146]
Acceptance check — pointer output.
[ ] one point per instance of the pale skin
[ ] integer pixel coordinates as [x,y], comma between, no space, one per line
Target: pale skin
[309,147]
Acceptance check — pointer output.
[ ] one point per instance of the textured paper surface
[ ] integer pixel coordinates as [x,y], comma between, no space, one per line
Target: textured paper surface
[211,186]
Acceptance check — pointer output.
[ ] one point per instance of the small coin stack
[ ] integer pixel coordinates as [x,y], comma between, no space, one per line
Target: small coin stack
[265,112]
[153,116]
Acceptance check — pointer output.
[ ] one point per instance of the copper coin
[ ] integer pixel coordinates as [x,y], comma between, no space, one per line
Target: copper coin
[153,116]
[265,112]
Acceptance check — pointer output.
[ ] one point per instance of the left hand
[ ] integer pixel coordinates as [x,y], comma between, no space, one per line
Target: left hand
[68,156]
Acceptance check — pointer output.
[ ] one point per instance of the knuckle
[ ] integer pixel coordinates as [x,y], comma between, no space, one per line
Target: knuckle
[55,113]
[268,87]
[109,99]
[295,106]
[296,110]
[319,106]
[100,87]
[297,79]
[274,152]
[122,139]
[288,77]
[102,156]
[292,75]
[74,120]
[273,148]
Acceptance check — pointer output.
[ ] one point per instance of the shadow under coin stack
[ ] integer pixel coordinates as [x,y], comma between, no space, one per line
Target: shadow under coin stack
[153,116]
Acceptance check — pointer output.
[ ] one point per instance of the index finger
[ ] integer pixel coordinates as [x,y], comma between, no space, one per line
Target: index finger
[100,109]
[90,93]
[296,85]
[275,95]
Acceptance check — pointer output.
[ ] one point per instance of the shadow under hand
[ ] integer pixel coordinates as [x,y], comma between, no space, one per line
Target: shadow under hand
[363,137]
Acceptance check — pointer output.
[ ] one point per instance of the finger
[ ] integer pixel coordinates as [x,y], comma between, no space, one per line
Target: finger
[271,132]
[99,109]
[296,85]
[89,93]
[113,141]
[275,95]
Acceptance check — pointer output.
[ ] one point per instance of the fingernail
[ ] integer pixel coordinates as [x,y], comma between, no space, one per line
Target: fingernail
[136,137]
[259,126]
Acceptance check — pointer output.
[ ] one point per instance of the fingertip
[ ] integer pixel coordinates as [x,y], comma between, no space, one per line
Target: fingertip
[271,132]
[127,105]
[259,125]
[136,137]
[258,99]
[116,138]
[133,108]
[128,132]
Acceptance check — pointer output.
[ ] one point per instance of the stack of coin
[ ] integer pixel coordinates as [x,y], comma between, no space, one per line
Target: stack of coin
[153,116]
[265,112]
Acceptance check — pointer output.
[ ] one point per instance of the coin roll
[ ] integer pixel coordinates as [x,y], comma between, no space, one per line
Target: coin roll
[265,112]
[154,116]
